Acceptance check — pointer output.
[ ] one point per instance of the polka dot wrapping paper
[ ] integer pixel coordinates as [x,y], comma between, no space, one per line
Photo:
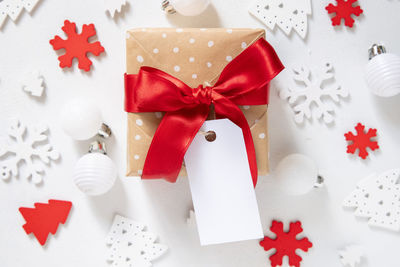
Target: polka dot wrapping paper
[195,56]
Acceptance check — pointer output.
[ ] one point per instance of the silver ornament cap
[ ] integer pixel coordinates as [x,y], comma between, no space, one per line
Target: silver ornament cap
[167,7]
[98,147]
[375,50]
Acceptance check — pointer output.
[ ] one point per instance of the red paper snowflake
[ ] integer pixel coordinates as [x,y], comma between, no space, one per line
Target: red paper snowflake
[361,141]
[286,244]
[77,45]
[344,9]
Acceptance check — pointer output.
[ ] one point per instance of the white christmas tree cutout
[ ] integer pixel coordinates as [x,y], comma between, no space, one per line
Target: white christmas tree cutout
[14,8]
[131,246]
[288,15]
[351,256]
[377,198]
[33,83]
[114,6]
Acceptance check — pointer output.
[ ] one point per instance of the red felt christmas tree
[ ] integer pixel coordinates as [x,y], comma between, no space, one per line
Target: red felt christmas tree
[44,218]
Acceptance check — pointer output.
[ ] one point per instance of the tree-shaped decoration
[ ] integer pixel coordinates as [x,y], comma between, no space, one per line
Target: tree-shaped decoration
[44,218]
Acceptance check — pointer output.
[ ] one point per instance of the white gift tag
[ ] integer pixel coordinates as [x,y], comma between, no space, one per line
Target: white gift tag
[222,189]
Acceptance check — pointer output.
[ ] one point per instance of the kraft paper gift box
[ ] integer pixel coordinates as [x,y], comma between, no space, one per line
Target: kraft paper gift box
[195,56]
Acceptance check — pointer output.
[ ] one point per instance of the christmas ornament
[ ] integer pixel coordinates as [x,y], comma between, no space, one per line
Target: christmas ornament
[288,15]
[313,93]
[44,218]
[27,150]
[343,10]
[14,8]
[351,256]
[77,45]
[286,244]
[33,83]
[383,73]
[185,7]
[114,6]
[95,172]
[81,119]
[361,141]
[297,174]
[377,198]
[131,245]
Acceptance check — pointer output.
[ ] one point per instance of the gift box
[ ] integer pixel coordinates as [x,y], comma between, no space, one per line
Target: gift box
[194,56]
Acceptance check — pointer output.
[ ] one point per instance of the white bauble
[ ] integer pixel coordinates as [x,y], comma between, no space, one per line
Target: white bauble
[95,174]
[190,7]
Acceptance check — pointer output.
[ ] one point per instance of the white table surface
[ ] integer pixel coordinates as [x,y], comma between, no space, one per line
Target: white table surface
[163,206]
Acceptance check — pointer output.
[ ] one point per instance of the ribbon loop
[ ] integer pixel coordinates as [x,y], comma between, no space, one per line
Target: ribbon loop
[203,95]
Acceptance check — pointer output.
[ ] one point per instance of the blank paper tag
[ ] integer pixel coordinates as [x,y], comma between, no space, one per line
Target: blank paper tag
[222,189]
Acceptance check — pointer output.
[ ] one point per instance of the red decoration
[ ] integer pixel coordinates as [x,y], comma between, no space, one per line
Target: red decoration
[77,45]
[244,81]
[286,244]
[344,9]
[361,141]
[44,218]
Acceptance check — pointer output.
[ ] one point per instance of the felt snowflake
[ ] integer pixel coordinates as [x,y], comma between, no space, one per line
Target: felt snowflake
[288,15]
[361,141]
[130,245]
[351,256]
[33,83]
[343,10]
[77,45]
[377,197]
[286,243]
[114,6]
[14,8]
[313,92]
[31,150]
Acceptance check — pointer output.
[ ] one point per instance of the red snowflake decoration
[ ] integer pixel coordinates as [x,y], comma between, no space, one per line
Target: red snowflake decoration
[361,141]
[286,244]
[77,45]
[344,9]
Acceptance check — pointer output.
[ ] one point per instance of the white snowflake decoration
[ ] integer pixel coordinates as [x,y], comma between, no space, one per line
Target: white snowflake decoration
[314,91]
[114,6]
[287,14]
[13,8]
[131,246]
[27,150]
[33,83]
[191,220]
[377,198]
[351,256]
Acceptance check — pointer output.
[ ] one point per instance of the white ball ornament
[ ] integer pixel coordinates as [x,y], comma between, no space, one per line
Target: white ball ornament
[185,7]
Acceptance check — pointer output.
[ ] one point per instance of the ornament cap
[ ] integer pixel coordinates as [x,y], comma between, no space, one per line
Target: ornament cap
[105,131]
[167,7]
[375,50]
[98,147]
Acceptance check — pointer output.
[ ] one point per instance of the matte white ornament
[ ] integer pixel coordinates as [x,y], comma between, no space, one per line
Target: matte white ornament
[33,83]
[131,246]
[13,8]
[185,7]
[383,72]
[288,15]
[377,198]
[33,150]
[313,93]
[114,6]
[297,174]
[351,256]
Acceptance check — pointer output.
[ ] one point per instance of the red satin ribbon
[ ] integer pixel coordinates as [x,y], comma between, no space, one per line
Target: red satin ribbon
[244,81]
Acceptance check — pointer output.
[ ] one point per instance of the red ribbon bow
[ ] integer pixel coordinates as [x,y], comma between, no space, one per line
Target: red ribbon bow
[244,81]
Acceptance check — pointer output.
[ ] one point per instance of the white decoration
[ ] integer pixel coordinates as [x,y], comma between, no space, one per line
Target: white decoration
[114,6]
[33,83]
[287,14]
[131,246]
[26,149]
[190,7]
[314,92]
[377,198]
[13,8]
[191,220]
[351,256]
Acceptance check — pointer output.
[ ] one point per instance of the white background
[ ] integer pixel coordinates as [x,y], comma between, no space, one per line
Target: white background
[24,46]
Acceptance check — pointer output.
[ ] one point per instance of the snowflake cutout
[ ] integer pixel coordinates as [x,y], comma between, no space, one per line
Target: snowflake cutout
[344,9]
[114,6]
[26,150]
[377,198]
[351,256]
[313,92]
[77,45]
[14,8]
[130,245]
[286,244]
[361,141]
[33,83]
[287,15]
